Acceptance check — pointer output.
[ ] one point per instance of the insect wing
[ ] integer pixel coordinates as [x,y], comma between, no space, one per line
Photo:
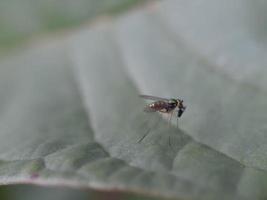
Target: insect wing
[153,98]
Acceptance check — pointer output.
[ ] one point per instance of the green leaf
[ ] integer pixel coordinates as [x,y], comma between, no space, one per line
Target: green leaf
[71,115]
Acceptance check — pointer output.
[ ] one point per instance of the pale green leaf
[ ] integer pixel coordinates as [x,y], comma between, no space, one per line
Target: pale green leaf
[71,115]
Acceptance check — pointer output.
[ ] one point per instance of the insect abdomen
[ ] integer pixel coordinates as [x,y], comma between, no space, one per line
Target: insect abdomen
[153,107]
[157,106]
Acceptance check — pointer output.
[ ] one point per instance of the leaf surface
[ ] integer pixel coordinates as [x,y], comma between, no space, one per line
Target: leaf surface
[71,114]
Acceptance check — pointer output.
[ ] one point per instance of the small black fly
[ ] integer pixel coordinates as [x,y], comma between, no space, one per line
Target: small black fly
[164,105]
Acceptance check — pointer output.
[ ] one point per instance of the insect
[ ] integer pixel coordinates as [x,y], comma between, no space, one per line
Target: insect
[163,105]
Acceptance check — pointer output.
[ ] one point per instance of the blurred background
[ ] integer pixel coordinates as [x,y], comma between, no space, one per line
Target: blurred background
[27,192]
[23,21]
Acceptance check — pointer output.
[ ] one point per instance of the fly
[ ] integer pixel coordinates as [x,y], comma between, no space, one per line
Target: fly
[163,105]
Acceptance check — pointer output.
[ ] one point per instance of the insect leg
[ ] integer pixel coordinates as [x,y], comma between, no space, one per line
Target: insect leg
[141,139]
[169,121]
[177,125]
[148,131]
[169,127]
